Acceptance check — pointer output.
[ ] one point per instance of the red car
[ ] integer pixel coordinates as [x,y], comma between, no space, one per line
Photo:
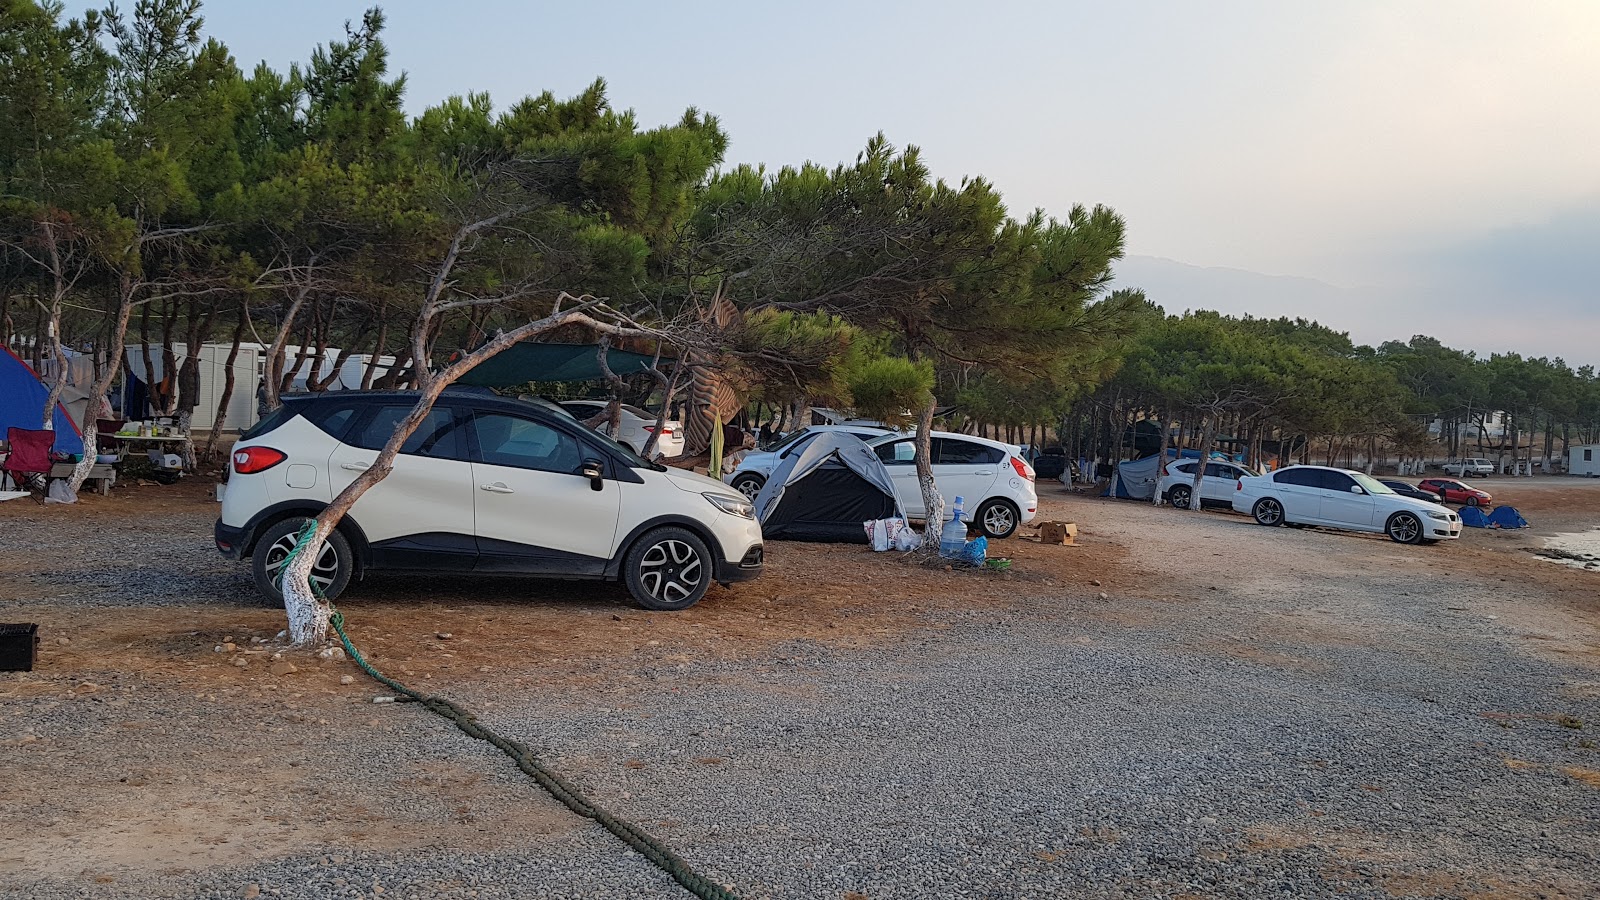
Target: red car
[1452,491]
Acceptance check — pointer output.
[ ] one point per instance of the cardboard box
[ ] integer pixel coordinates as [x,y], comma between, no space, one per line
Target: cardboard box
[1058,533]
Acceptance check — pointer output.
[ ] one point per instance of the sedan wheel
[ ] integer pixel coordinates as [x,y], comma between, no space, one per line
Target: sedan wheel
[1268,512]
[749,485]
[997,519]
[1472,501]
[1179,497]
[1405,528]
[668,569]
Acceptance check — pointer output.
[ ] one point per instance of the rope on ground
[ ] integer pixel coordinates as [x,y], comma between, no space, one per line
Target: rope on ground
[561,789]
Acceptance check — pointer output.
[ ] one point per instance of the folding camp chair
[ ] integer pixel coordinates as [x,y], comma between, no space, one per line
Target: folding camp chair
[28,465]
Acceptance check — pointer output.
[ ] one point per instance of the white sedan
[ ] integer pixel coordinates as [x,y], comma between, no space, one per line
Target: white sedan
[1216,489]
[634,428]
[1340,498]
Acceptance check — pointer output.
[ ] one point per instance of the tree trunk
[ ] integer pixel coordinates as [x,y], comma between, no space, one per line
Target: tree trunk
[228,382]
[1161,462]
[274,370]
[1207,435]
[932,503]
[102,385]
[670,388]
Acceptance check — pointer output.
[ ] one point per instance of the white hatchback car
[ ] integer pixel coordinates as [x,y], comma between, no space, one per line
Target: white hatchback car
[1216,488]
[757,466]
[485,486]
[634,426]
[995,483]
[1340,498]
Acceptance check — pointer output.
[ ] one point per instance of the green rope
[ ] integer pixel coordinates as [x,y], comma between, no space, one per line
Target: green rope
[561,789]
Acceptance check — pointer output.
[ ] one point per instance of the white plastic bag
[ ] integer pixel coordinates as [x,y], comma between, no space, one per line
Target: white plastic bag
[878,534]
[907,538]
[60,492]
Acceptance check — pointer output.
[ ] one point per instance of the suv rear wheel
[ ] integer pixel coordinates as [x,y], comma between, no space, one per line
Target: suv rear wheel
[668,569]
[330,574]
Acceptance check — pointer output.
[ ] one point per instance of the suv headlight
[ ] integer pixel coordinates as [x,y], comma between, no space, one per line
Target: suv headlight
[733,506]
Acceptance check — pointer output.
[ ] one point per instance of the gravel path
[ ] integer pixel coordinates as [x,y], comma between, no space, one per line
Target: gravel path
[1297,713]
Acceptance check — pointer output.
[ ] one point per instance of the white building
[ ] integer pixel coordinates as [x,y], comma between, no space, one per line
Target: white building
[1584,459]
[248,370]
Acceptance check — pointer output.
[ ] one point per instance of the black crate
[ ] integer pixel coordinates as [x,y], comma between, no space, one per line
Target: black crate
[18,646]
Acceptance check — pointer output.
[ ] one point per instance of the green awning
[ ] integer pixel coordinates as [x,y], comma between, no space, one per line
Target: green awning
[554,362]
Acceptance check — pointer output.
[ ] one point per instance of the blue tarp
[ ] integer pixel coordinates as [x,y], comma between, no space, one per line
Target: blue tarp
[22,398]
[1507,517]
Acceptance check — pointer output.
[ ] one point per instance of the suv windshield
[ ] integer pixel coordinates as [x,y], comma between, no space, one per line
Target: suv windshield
[1371,485]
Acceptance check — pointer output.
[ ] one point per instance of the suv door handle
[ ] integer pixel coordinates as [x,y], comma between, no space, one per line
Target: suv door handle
[496,487]
[356,467]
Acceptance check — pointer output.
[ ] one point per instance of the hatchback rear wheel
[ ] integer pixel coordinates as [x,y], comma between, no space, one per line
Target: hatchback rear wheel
[997,519]
[668,569]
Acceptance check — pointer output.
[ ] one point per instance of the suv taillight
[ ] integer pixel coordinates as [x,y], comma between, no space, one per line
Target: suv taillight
[1239,485]
[251,460]
[1024,471]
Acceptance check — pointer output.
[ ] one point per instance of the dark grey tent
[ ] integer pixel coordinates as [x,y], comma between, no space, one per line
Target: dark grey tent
[826,491]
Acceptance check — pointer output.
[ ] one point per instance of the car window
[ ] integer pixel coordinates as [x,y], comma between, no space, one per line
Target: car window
[1219,470]
[583,410]
[1371,485]
[952,452]
[897,453]
[797,446]
[438,436]
[524,444]
[1330,480]
[639,412]
[1301,477]
[1186,468]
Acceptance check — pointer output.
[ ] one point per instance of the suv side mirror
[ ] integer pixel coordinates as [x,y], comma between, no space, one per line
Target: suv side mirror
[1356,489]
[594,470]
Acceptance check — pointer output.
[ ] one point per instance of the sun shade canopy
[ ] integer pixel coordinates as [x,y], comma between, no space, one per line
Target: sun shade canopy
[554,362]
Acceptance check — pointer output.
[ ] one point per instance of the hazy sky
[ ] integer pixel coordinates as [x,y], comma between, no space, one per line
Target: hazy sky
[1434,164]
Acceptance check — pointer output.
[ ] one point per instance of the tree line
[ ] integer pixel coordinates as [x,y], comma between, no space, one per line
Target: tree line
[155,194]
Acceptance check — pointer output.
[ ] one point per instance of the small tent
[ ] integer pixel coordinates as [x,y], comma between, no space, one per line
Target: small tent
[1135,479]
[826,492]
[22,398]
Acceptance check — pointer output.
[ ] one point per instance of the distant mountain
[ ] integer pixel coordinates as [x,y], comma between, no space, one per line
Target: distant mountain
[1176,287]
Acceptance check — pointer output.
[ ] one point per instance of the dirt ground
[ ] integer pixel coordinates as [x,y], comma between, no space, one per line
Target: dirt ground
[180,750]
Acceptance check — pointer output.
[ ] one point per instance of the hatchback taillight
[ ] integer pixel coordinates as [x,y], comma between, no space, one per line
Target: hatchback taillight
[1024,470]
[1239,485]
[251,460]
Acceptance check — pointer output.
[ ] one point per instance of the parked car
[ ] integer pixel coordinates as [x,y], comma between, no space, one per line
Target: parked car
[634,426]
[485,486]
[1470,467]
[995,483]
[1450,491]
[1051,463]
[1216,488]
[1407,489]
[756,466]
[1340,498]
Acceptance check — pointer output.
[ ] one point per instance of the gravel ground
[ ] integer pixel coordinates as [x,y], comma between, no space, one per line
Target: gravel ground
[1294,713]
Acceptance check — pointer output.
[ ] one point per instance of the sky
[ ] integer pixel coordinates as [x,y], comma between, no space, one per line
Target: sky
[1387,168]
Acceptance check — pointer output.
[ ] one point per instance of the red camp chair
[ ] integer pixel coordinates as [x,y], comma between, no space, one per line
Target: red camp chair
[28,465]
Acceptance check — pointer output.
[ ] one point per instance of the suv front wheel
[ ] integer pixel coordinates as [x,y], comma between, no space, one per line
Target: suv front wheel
[668,569]
[330,574]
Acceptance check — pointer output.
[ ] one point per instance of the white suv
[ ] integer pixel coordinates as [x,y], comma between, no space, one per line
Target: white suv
[1216,488]
[485,486]
[993,480]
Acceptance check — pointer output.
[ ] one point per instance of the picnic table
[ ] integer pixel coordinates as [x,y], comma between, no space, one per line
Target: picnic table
[104,475]
[183,440]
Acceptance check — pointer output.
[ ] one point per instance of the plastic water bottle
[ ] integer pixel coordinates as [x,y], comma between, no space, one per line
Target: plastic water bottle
[953,537]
